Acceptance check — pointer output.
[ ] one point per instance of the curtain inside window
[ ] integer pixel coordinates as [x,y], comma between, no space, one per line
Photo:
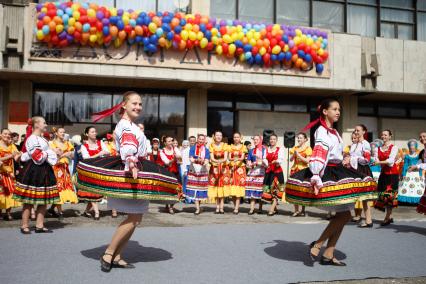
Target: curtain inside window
[362,20]
[329,16]
[293,12]
[256,11]
[223,9]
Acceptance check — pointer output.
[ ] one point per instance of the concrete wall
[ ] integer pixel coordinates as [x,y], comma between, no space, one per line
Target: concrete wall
[196,112]
[403,129]
[18,91]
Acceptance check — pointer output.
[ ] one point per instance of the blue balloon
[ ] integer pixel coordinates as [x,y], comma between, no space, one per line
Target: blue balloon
[258,59]
[105,30]
[120,25]
[319,68]
[308,58]
[152,48]
[281,56]
[167,19]
[247,55]
[208,34]
[159,14]
[301,54]
[182,22]
[86,27]
[159,32]
[178,29]
[65,19]
[68,11]
[166,28]
[285,38]
[288,56]
[239,43]
[145,41]
[247,48]
[170,35]
[113,20]
[132,22]
[142,14]
[153,39]
[45,29]
[139,39]
[250,60]
[146,21]
[274,57]
[203,28]
[139,21]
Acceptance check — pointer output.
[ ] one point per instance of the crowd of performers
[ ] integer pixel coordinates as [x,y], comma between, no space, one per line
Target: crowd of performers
[130,171]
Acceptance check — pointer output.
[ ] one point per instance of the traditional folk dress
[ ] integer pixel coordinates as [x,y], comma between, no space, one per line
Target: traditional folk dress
[273,183]
[7,178]
[111,148]
[87,153]
[256,174]
[340,187]
[155,157]
[360,156]
[109,176]
[298,164]
[36,182]
[198,175]
[166,159]
[412,185]
[63,175]
[238,170]
[219,174]
[389,178]
[421,208]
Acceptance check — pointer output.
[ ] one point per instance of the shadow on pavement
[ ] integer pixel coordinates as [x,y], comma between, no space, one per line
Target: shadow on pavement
[405,229]
[133,253]
[295,251]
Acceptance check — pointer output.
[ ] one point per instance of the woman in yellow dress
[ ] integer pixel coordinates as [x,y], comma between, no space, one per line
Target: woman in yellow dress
[111,144]
[219,175]
[65,151]
[236,156]
[300,155]
[8,153]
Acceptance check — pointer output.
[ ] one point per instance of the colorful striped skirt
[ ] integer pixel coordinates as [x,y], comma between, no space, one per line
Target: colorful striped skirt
[254,183]
[273,186]
[388,192]
[36,184]
[341,186]
[197,183]
[106,176]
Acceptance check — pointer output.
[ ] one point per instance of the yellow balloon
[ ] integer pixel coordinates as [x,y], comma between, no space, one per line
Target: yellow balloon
[256,35]
[75,6]
[93,38]
[214,31]
[242,57]
[71,22]
[286,48]
[227,38]
[249,35]
[234,37]
[215,40]
[192,36]
[184,35]
[296,40]
[232,48]
[320,52]
[200,35]
[239,28]
[40,35]
[75,15]
[219,49]
[91,13]
[252,42]
[240,35]
[126,20]
[44,10]
[303,38]
[152,27]
[204,42]
[188,27]
[276,49]
[276,27]
[113,11]
[117,42]
[298,32]
[262,50]
[59,28]
[309,41]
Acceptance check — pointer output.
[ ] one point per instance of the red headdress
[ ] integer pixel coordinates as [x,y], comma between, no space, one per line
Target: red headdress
[320,121]
[28,132]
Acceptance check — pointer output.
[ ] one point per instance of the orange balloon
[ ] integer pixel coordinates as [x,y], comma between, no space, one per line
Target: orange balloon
[71,30]
[175,22]
[93,30]
[299,62]
[132,34]
[204,20]
[196,28]
[259,43]
[245,40]
[182,45]
[78,26]
[113,30]
[138,30]
[122,35]
[52,26]
[162,42]
[263,32]
[85,37]
[294,58]
[46,19]
[57,20]
[266,43]
[304,66]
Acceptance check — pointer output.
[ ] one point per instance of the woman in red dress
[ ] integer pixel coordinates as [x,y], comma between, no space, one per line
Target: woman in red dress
[93,148]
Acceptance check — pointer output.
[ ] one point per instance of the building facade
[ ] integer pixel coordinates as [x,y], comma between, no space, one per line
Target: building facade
[376,68]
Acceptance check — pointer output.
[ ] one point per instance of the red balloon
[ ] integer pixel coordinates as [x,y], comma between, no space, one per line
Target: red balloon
[255,50]
[273,42]
[320,60]
[146,30]
[209,26]
[324,55]
[107,39]
[54,39]
[281,44]
[222,31]
[152,14]
[177,38]
[197,21]
[190,21]
[77,35]
[269,36]
[210,46]
[308,50]
[301,46]
[189,44]
[83,12]
[50,6]
[51,13]
[225,48]
[269,50]
[278,38]
[269,28]
[63,43]
[196,42]
[266,58]
[107,14]
[92,22]
[293,50]
[99,26]
[40,24]
[84,19]
[128,28]
[240,51]
[178,16]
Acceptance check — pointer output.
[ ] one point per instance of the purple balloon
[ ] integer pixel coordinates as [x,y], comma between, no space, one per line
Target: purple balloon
[120,12]
[39,6]
[105,21]
[290,43]
[100,15]
[70,38]
[222,23]
[62,35]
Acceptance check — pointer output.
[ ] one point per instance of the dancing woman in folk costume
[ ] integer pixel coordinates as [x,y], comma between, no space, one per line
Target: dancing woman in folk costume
[300,155]
[198,175]
[8,154]
[219,174]
[36,182]
[273,183]
[93,148]
[65,151]
[412,184]
[360,156]
[421,208]
[389,177]
[256,163]
[128,180]
[154,156]
[327,183]
[171,158]
[236,156]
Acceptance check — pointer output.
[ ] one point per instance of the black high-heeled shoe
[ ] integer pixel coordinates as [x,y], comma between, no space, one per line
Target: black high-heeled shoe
[42,230]
[386,223]
[116,264]
[271,214]
[311,246]
[251,212]
[197,213]
[106,266]
[366,225]
[331,261]
[25,231]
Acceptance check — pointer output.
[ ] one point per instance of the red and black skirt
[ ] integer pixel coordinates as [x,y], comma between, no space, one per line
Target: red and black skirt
[36,184]
[341,186]
[106,176]
[388,192]
[273,186]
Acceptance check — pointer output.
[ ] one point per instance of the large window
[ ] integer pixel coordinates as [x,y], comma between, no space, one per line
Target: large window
[291,12]
[362,20]
[396,110]
[328,15]
[256,11]
[163,113]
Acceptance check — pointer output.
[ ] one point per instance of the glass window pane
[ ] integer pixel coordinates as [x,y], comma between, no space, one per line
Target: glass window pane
[392,110]
[405,32]
[418,112]
[293,12]
[362,20]
[256,11]
[421,26]
[397,3]
[396,15]
[371,2]
[106,3]
[221,120]
[253,106]
[81,106]
[169,5]
[172,109]
[421,5]
[329,16]
[143,5]
[387,30]
[149,109]
[223,104]
[367,109]
[223,9]
[49,105]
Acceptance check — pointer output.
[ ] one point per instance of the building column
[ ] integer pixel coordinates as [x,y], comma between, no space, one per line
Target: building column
[349,117]
[196,112]
[19,91]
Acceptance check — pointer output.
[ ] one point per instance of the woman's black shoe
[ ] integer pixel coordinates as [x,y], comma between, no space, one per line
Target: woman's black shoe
[25,231]
[271,214]
[86,214]
[42,230]
[251,212]
[52,213]
[117,264]
[198,213]
[386,223]
[333,261]
[96,218]
[236,212]
[311,246]
[221,212]
[106,266]
[216,212]
[366,225]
